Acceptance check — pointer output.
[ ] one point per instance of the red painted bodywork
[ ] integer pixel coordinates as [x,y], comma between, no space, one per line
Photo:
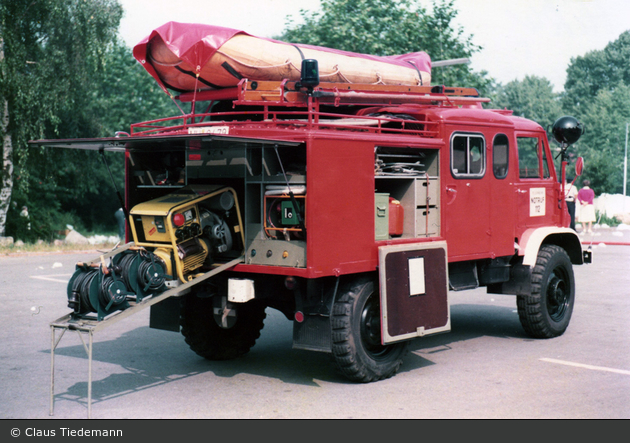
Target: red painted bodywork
[475,213]
[480,217]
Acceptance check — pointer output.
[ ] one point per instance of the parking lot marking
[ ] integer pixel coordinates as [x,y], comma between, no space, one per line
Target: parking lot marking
[580,365]
[52,277]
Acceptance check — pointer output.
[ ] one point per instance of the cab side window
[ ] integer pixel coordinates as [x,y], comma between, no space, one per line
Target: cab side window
[468,155]
[500,156]
[532,160]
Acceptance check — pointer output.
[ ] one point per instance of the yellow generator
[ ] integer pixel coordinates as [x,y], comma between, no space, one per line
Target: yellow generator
[176,237]
[189,228]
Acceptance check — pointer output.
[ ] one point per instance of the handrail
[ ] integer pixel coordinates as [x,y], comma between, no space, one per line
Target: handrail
[282,118]
[298,106]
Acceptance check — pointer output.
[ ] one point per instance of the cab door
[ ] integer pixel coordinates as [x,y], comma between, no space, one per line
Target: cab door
[535,185]
[467,218]
[502,195]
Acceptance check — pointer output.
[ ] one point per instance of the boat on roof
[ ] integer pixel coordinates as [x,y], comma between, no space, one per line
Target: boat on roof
[187,57]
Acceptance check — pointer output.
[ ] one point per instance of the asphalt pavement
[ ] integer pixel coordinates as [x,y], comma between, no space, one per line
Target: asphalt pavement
[602,234]
[486,367]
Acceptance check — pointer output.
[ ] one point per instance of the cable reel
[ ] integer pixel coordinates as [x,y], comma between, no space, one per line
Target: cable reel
[79,290]
[96,289]
[143,272]
[112,291]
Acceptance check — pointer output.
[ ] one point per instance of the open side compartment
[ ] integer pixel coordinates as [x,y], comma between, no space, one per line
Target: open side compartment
[407,186]
[268,178]
[276,202]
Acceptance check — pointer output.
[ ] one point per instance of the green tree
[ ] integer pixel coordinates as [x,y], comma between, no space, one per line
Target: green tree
[128,94]
[66,75]
[597,94]
[58,190]
[602,144]
[597,70]
[532,98]
[52,60]
[391,27]
[125,94]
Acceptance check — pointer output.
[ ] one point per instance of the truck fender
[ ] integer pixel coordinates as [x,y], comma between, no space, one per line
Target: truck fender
[566,238]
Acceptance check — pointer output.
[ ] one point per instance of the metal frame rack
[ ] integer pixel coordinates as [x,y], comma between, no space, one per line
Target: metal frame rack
[85,325]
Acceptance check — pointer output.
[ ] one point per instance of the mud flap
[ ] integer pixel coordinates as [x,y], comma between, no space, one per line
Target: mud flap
[413,281]
[519,283]
[165,315]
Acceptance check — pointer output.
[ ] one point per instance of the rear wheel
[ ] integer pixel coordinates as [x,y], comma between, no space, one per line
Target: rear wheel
[546,312]
[220,339]
[356,332]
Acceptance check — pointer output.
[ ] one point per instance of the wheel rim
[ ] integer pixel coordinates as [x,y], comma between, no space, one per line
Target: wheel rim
[558,294]
[371,329]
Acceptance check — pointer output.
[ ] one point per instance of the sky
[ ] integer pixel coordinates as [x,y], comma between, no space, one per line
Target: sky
[518,37]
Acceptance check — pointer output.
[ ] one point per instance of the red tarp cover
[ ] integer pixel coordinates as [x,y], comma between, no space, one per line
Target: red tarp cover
[195,44]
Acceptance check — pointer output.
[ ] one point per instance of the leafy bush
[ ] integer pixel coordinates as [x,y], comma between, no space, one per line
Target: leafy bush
[603,219]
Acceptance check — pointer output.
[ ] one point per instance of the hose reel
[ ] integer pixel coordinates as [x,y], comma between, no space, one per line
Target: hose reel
[142,271]
[100,289]
[94,289]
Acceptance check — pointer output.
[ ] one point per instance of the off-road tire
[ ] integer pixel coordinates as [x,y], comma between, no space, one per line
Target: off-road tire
[356,335]
[206,338]
[546,312]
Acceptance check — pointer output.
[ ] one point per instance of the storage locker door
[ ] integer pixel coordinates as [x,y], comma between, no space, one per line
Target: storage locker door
[413,290]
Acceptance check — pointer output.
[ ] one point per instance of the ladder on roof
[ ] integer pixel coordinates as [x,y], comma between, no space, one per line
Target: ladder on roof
[285,93]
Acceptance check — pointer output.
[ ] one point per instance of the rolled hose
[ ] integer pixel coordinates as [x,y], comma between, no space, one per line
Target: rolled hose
[138,273]
[150,273]
[110,292]
[80,300]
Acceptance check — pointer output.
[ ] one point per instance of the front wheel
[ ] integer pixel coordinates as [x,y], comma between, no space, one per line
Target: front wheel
[356,332]
[546,312]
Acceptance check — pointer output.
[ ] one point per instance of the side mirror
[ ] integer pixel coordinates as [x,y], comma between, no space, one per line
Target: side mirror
[579,166]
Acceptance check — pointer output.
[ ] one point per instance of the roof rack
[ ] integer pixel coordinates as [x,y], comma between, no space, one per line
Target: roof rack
[312,106]
[285,93]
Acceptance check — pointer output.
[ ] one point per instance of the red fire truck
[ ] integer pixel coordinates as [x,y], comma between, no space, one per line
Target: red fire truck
[353,209]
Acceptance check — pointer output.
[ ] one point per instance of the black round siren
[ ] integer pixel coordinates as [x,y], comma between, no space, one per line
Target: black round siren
[567,130]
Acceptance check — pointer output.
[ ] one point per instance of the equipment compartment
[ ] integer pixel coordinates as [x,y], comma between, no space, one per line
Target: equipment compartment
[411,177]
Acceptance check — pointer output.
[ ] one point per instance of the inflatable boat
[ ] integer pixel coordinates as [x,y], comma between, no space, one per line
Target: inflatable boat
[187,57]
